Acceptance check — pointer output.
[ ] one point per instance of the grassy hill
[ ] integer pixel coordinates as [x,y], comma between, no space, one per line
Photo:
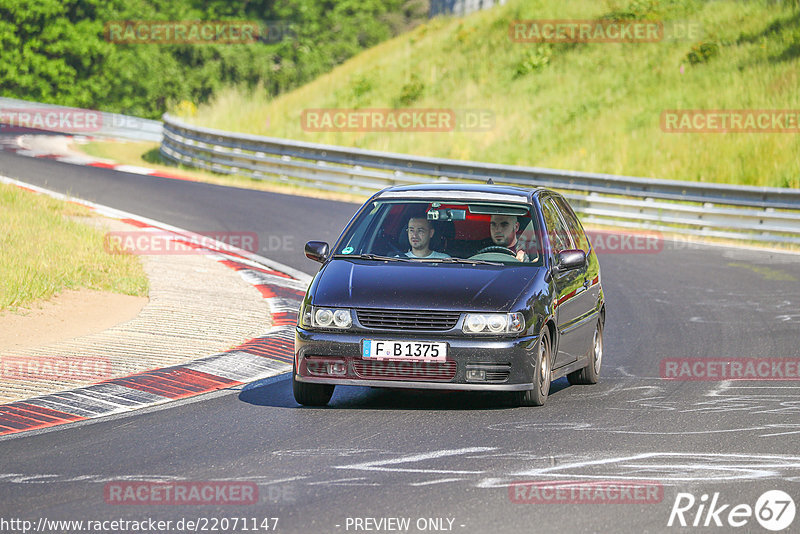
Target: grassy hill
[581,106]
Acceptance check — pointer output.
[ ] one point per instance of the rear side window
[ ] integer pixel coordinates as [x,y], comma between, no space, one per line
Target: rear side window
[556,231]
[573,225]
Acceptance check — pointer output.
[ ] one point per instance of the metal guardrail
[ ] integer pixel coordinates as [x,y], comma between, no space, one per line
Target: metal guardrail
[110,124]
[765,214]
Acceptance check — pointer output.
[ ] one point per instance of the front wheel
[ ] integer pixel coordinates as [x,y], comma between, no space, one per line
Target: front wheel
[591,373]
[309,394]
[538,395]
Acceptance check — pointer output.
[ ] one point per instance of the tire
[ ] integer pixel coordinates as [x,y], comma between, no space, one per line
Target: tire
[544,359]
[312,394]
[591,373]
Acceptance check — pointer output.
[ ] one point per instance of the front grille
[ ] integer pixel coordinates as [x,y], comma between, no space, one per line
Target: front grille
[408,319]
[404,370]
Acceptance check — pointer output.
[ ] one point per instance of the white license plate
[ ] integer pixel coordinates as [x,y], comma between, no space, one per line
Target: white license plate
[404,350]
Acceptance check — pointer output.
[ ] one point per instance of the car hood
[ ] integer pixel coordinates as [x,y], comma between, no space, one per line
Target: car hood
[431,286]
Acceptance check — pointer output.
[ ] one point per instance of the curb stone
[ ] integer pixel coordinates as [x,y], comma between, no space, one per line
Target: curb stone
[262,357]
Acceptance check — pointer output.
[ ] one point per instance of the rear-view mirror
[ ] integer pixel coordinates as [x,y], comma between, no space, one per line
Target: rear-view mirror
[570,259]
[317,250]
[447,214]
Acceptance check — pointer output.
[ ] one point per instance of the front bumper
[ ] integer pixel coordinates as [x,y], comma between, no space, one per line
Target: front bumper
[509,363]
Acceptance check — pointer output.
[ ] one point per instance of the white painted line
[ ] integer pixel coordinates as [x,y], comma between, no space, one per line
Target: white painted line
[764,387]
[439,481]
[240,366]
[779,434]
[334,482]
[133,169]
[113,407]
[267,381]
[74,160]
[380,465]
[271,482]
[121,394]
[749,468]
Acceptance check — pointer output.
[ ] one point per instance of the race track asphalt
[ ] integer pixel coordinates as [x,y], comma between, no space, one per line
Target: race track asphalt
[420,455]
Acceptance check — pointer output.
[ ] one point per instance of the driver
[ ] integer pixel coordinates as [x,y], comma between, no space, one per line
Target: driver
[503,229]
[420,232]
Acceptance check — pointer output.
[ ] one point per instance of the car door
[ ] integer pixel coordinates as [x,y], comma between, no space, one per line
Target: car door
[569,286]
[586,301]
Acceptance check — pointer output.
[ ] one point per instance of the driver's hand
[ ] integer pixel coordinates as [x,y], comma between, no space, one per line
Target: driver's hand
[522,256]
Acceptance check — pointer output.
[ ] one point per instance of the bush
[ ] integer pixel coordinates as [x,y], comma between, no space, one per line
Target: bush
[54,51]
[410,92]
[702,52]
[533,60]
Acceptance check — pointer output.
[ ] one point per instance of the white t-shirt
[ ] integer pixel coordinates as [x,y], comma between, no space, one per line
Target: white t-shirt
[432,255]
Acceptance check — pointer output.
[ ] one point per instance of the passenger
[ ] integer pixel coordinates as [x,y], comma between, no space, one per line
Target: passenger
[503,229]
[420,233]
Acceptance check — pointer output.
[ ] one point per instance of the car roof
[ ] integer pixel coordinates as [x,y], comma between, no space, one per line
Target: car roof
[456,191]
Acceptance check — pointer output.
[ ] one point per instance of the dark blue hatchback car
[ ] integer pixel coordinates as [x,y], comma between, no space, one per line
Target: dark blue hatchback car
[453,287]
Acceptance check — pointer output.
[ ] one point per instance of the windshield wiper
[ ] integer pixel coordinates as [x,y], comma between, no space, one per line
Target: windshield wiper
[462,260]
[378,257]
[369,257]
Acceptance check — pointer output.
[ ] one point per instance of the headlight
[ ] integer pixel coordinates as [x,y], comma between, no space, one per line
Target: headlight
[494,323]
[306,315]
[474,323]
[342,318]
[327,317]
[323,317]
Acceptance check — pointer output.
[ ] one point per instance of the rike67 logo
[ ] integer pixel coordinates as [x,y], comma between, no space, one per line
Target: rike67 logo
[774,510]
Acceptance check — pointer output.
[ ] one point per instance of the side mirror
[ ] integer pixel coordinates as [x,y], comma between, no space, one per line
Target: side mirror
[317,250]
[570,259]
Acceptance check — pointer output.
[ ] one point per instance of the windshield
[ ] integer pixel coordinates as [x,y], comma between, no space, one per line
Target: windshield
[503,234]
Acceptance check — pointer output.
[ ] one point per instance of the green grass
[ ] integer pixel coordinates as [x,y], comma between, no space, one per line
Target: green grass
[587,107]
[44,250]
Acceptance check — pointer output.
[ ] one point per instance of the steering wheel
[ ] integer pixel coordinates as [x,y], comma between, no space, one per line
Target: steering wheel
[394,251]
[496,248]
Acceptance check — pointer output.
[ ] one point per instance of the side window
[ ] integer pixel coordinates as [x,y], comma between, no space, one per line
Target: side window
[559,236]
[574,227]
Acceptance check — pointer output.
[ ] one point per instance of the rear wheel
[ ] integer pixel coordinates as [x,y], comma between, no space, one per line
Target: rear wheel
[538,395]
[309,394]
[591,373]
